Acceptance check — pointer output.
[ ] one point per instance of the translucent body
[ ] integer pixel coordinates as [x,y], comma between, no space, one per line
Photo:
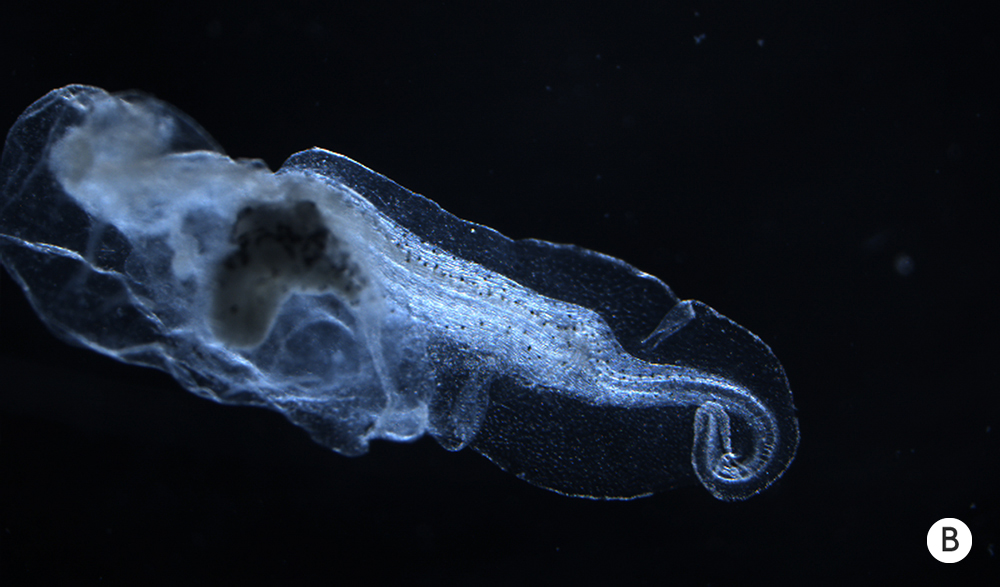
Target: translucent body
[361,310]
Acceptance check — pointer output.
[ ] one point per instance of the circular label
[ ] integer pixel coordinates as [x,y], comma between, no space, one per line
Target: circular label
[949,540]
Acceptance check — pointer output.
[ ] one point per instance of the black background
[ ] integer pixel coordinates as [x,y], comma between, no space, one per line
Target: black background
[826,174]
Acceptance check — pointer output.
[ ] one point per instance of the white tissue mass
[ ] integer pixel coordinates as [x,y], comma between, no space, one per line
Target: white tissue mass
[361,310]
